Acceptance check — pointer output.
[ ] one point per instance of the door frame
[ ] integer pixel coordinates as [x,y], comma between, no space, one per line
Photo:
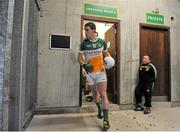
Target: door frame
[168,54]
[117,22]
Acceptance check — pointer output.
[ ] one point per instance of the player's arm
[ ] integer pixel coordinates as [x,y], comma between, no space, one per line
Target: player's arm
[88,68]
[81,59]
[83,63]
[105,51]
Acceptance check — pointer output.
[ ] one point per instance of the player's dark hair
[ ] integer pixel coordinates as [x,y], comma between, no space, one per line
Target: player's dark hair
[91,25]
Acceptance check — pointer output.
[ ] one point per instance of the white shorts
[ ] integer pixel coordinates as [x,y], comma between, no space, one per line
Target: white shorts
[96,78]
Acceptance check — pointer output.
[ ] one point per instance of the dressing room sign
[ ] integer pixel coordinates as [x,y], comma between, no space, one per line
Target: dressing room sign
[97,10]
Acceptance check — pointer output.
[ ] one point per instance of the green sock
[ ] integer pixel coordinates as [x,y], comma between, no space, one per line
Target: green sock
[99,108]
[105,113]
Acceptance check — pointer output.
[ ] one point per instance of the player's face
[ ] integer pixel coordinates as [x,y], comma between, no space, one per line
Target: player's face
[89,32]
[145,60]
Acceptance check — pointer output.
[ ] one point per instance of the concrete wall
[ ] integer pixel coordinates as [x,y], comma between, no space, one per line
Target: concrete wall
[20,62]
[168,8]
[58,76]
[58,70]
[23,65]
[31,54]
[3,27]
[6,35]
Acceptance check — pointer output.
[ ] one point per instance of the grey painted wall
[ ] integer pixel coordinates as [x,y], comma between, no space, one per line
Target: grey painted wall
[58,75]
[3,26]
[58,70]
[23,70]
[20,63]
[31,55]
[168,8]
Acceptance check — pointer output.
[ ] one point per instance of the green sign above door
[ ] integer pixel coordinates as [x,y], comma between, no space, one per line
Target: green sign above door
[154,18]
[100,10]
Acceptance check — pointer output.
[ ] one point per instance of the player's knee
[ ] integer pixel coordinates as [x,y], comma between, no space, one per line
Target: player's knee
[96,99]
[103,95]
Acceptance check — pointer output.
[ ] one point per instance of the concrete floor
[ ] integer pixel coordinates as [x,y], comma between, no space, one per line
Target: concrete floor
[161,119]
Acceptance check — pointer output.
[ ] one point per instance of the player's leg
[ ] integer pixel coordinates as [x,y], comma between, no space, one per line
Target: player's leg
[103,94]
[93,87]
[95,93]
[102,85]
[105,103]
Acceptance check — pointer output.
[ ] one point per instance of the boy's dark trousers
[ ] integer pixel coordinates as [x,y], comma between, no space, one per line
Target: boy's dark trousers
[144,89]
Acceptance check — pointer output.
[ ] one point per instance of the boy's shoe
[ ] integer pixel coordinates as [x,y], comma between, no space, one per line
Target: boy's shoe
[86,92]
[106,124]
[138,108]
[89,98]
[147,110]
[100,116]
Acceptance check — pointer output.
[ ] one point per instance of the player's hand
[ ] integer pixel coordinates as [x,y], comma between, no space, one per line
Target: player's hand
[88,68]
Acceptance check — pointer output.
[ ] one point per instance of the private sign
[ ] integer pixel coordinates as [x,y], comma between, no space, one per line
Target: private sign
[154,18]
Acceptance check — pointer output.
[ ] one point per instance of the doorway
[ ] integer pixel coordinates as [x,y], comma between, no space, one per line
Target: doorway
[109,30]
[155,41]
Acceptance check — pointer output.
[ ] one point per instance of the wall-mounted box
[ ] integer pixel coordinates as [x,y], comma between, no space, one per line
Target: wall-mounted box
[60,41]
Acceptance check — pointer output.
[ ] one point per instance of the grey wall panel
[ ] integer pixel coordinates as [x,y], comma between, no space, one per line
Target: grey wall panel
[169,9]
[15,66]
[3,31]
[31,57]
[58,81]
[19,89]
[7,59]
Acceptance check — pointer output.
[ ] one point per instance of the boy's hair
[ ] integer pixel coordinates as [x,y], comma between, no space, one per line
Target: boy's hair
[91,25]
[148,56]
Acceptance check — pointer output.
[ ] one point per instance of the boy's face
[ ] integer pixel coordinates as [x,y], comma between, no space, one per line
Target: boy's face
[89,32]
[145,59]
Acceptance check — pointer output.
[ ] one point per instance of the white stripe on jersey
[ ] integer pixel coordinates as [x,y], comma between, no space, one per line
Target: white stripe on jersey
[155,71]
